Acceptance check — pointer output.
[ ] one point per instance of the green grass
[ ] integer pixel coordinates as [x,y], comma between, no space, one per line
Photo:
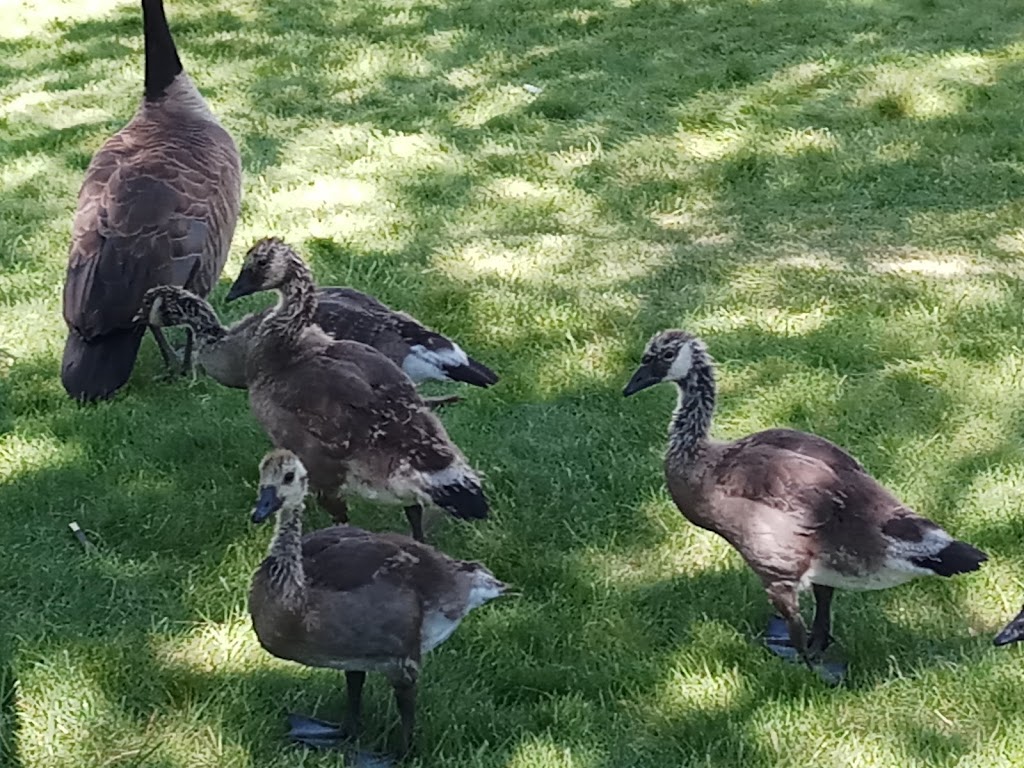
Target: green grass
[831,192]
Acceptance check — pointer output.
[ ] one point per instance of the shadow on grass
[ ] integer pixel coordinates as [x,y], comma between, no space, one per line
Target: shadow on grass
[8,715]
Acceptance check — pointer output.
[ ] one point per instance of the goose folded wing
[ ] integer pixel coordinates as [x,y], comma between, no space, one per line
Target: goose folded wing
[356,315]
[353,300]
[342,558]
[805,444]
[345,318]
[346,394]
[802,486]
[404,425]
[135,232]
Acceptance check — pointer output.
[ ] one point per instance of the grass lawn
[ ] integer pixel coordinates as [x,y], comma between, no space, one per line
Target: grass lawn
[830,192]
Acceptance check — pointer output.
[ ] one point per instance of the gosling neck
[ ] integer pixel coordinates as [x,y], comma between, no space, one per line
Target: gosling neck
[285,555]
[202,320]
[691,420]
[296,306]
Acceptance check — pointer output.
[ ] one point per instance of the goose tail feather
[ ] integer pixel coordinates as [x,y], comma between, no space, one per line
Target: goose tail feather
[460,499]
[956,557]
[96,369]
[1012,632]
[473,372]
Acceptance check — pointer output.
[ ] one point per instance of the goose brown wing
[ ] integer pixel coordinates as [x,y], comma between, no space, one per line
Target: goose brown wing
[350,397]
[348,313]
[837,500]
[806,444]
[344,558]
[135,228]
[400,424]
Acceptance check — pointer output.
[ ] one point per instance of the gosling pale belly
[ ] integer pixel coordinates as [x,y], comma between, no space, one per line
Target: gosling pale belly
[892,573]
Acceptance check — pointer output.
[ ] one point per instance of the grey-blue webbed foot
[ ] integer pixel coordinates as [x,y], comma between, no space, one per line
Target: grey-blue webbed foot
[777,640]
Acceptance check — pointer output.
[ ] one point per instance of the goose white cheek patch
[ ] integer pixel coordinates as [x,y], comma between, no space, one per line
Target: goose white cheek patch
[681,365]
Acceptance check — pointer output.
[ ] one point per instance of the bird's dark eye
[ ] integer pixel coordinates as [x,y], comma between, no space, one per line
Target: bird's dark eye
[289,477]
[666,354]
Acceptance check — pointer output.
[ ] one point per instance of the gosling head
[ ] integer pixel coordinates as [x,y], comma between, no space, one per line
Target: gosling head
[164,306]
[483,586]
[269,264]
[669,356]
[283,483]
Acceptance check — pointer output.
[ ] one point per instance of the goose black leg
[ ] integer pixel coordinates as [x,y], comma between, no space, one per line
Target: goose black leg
[324,735]
[405,697]
[414,514]
[166,351]
[790,640]
[335,506]
[821,627]
[784,598]
[354,687]
[187,363]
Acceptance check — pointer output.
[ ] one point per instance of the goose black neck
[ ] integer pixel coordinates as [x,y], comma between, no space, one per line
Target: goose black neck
[204,323]
[207,333]
[162,62]
[691,421]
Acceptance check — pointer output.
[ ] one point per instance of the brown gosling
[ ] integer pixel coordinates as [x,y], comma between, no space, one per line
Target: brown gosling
[801,511]
[354,417]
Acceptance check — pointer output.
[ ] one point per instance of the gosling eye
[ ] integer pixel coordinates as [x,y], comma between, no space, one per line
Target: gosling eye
[289,477]
[667,354]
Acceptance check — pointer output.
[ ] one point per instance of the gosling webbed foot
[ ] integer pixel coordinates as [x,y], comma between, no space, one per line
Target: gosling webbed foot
[319,734]
[440,401]
[777,640]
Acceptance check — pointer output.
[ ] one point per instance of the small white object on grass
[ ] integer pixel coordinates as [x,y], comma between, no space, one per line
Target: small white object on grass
[80,535]
[534,89]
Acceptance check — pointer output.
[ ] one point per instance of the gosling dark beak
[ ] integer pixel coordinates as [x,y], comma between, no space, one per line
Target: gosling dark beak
[267,504]
[244,285]
[1012,632]
[642,379]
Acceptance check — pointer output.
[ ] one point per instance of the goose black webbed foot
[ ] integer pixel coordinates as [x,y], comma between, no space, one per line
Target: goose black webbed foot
[319,734]
[440,401]
[777,640]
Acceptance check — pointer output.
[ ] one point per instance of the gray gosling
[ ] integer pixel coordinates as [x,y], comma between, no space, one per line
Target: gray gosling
[344,313]
[219,350]
[352,600]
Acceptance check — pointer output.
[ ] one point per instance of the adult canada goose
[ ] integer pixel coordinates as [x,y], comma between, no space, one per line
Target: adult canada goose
[801,511]
[158,206]
[344,313]
[1012,632]
[352,416]
[348,599]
